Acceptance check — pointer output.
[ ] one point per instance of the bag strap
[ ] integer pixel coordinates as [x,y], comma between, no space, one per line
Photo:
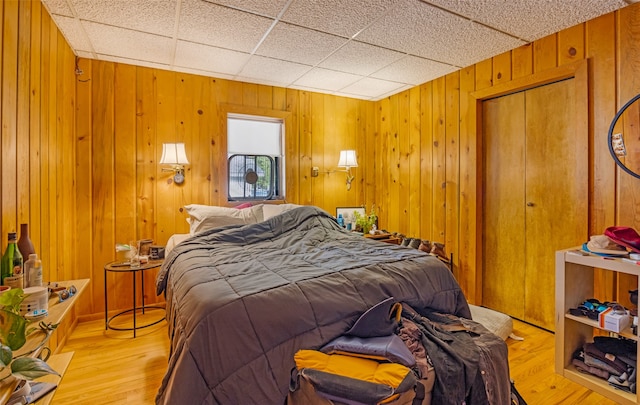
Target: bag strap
[420,393]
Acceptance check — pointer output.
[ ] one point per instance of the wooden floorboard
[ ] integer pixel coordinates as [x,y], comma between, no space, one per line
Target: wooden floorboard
[110,367]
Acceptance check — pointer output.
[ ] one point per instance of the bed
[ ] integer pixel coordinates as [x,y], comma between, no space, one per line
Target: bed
[242,298]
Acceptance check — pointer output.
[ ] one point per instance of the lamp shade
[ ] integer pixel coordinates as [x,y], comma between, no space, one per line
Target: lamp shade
[347,159]
[174,154]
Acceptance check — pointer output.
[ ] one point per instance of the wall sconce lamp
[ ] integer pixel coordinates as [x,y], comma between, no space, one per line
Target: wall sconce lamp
[175,155]
[347,160]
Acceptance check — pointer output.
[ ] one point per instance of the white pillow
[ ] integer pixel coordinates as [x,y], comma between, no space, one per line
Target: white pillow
[204,217]
[271,210]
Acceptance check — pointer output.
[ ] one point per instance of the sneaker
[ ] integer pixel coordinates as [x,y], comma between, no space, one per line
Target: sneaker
[425,246]
[438,250]
[415,243]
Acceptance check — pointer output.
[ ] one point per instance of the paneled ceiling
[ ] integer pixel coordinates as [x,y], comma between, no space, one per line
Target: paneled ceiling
[366,49]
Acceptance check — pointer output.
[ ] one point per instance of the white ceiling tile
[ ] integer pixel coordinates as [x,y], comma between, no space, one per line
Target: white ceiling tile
[73,31]
[203,73]
[326,79]
[60,7]
[272,71]
[360,58]
[137,62]
[209,58]
[370,87]
[129,44]
[391,93]
[153,16]
[443,39]
[392,43]
[297,44]
[531,20]
[414,70]
[269,8]
[211,24]
[339,17]
[86,55]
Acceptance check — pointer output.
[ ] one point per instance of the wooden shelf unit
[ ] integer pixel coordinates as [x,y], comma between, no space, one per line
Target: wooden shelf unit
[574,284]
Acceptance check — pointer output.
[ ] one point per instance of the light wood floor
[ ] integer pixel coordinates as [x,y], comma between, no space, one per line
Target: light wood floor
[110,367]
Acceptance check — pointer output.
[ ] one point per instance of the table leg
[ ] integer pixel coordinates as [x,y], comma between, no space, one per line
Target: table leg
[134,303]
[142,289]
[106,308]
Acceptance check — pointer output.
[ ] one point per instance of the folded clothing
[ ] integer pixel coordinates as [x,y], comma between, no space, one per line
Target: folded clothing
[609,359]
[616,346]
[584,368]
[623,382]
[625,236]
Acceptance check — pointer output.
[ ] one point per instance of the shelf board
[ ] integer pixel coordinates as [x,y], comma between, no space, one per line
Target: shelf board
[599,385]
[626,333]
[60,363]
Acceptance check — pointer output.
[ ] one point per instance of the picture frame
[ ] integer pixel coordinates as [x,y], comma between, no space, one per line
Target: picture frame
[348,213]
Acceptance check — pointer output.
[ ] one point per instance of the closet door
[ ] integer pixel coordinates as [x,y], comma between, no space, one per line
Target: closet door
[556,192]
[504,204]
[535,197]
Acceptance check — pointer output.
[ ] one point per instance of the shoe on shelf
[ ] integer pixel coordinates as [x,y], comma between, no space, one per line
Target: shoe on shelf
[425,246]
[406,241]
[415,243]
[438,250]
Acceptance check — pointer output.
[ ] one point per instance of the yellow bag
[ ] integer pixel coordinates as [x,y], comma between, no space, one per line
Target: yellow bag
[350,379]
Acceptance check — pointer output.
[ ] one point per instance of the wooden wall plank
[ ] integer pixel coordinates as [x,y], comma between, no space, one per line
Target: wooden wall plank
[452,168]
[22,113]
[600,49]
[103,181]
[501,68]
[9,118]
[368,174]
[415,175]
[34,126]
[292,149]
[439,160]
[66,236]
[382,161]
[628,75]
[317,147]
[52,141]
[426,163]
[124,167]
[305,123]
[521,61]
[84,181]
[545,53]
[393,151]
[571,45]
[469,208]
[484,74]
[45,135]
[404,172]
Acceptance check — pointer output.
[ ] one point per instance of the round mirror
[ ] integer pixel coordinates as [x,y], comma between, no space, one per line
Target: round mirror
[624,137]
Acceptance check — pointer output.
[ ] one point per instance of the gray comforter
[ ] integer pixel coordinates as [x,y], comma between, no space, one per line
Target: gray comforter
[242,300]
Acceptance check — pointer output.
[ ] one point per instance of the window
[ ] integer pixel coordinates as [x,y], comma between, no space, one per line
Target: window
[254,157]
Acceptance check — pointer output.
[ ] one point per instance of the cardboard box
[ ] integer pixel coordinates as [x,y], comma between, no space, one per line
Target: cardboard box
[613,322]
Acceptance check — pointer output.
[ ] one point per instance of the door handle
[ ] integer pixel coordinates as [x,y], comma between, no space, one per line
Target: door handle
[529,204]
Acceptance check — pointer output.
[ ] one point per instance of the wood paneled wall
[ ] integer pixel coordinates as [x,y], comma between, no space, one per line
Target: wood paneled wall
[428,147]
[80,151]
[37,153]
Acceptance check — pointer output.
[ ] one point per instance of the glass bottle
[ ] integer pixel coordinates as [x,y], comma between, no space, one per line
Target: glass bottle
[35,278]
[11,268]
[32,271]
[24,243]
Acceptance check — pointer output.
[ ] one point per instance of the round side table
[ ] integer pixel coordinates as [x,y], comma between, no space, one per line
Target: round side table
[120,267]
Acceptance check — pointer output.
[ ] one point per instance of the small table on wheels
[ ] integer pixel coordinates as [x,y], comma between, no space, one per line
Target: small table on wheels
[120,267]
